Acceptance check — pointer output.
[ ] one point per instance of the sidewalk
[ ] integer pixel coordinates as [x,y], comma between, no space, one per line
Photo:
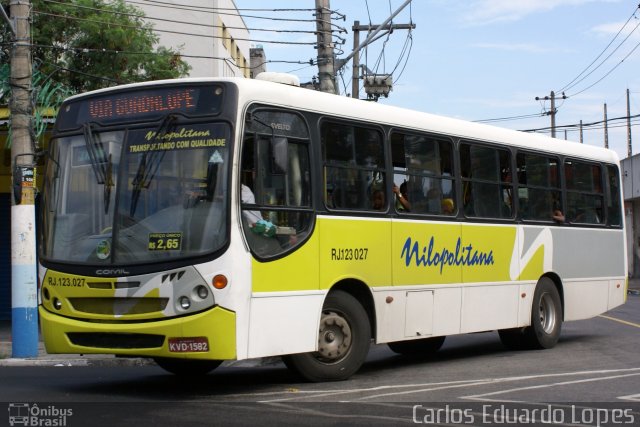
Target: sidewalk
[45,359]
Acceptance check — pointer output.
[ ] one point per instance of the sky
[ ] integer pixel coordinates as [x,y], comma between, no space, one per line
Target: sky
[485,59]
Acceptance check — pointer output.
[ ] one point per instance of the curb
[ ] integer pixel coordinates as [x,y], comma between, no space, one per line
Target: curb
[75,361]
[52,360]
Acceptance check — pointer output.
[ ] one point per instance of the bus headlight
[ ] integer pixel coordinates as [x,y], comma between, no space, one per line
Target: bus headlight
[185,303]
[57,304]
[202,292]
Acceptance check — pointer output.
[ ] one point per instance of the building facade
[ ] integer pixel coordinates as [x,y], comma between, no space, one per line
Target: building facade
[631,189]
[210,34]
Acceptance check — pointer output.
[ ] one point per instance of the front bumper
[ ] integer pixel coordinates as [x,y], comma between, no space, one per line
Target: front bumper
[148,338]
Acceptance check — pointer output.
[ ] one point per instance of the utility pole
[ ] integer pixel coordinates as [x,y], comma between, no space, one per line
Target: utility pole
[24,282]
[581,135]
[629,148]
[355,77]
[606,128]
[326,71]
[553,110]
[355,70]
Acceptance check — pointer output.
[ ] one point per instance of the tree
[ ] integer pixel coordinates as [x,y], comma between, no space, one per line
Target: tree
[90,44]
[81,45]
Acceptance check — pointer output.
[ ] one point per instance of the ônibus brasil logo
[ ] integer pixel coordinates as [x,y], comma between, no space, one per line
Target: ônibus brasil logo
[27,414]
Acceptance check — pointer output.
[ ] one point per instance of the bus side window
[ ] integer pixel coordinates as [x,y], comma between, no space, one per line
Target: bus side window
[487,184]
[275,199]
[539,192]
[585,196]
[354,167]
[424,164]
[614,210]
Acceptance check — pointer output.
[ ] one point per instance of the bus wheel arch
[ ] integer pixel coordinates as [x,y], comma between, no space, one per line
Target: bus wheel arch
[362,293]
[547,315]
[344,337]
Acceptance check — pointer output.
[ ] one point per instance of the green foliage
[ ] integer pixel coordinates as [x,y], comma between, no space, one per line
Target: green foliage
[48,96]
[82,45]
[76,40]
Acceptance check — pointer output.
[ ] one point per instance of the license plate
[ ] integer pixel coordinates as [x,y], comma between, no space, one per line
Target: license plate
[188,345]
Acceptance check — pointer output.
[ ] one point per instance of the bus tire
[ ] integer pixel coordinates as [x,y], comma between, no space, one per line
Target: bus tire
[546,321]
[546,316]
[187,367]
[420,347]
[343,341]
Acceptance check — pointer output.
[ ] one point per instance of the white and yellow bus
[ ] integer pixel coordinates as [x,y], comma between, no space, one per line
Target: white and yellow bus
[200,220]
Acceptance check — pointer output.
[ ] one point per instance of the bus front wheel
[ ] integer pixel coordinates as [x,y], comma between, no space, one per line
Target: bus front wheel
[343,341]
[187,367]
[546,321]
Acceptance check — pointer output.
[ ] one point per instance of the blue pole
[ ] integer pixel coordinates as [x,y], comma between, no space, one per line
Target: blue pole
[24,274]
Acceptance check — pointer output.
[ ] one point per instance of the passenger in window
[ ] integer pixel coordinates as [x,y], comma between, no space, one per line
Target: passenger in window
[377,200]
[402,202]
[448,206]
[330,200]
[558,216]
[247,197]
[434,201]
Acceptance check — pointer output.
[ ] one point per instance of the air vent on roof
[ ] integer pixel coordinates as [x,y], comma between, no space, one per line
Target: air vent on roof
[284,78]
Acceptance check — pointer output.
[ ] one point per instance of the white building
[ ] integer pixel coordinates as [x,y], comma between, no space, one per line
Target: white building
[210,34]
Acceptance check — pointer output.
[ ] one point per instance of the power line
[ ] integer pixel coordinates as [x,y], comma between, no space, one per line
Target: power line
[584,125]
[571,83]
[172,32]
[506,119]
[213,10]
[310,62]
[196,24]
[205,8]
[608,73]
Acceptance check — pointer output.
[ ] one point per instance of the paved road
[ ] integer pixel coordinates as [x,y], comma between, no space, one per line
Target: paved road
[596,361]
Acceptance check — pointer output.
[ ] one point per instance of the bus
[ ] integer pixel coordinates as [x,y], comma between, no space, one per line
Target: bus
[196,221]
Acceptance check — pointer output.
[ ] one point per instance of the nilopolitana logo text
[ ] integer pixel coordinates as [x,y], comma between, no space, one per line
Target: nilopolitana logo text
[32,414]
[430,256]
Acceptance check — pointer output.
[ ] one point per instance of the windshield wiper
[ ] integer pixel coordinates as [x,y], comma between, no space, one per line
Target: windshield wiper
[100,163]
[149,163]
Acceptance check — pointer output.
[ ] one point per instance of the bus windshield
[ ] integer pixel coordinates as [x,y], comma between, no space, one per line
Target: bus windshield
[137,195]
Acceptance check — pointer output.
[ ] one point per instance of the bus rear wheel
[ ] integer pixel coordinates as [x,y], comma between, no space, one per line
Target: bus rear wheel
[343,341]
[546,321]
[421,347]
[187,367]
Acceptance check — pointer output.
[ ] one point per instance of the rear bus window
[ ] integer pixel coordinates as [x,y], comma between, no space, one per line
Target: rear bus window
[585,196]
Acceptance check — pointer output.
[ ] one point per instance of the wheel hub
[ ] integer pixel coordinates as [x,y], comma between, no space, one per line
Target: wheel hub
[547,313]
[335,337]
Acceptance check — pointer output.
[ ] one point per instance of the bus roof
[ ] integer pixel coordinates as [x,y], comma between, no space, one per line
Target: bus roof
[278,94]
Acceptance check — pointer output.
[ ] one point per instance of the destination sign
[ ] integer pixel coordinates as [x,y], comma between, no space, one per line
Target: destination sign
[143,104]
[182,100]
